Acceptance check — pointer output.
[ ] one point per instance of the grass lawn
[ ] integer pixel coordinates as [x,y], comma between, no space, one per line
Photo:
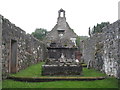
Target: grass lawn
[0,85]
[35,71]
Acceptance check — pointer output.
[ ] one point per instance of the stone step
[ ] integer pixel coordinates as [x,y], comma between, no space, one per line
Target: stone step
[46,79]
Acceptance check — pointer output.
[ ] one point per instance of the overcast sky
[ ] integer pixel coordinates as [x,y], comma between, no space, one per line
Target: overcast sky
[80,14]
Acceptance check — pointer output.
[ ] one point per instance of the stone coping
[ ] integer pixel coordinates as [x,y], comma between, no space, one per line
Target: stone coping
[58,65]
[46,79]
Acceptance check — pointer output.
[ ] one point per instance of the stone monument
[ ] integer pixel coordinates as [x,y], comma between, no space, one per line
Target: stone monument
[62,48]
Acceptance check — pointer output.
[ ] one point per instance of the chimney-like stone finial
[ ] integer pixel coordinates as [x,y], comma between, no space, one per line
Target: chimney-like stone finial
[60,12]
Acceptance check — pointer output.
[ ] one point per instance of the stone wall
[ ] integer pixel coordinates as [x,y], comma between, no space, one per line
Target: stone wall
[101,51]
[19,50]
[0,52]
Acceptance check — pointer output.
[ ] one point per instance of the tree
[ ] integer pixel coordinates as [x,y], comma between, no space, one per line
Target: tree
[80,38]
[98,27]
[40,33]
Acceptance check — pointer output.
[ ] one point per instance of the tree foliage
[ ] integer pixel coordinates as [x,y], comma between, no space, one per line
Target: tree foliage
[98,28]
[80,38]
[83,37]
[40,33]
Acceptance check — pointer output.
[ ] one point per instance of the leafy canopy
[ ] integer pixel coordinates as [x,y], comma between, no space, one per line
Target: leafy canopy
[98,28]
[40,33]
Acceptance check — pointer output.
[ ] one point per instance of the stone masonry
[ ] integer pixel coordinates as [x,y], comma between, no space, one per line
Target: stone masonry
[62,49]
[101,50]
[0,50]
[61,34]
[19,50]
[61,39]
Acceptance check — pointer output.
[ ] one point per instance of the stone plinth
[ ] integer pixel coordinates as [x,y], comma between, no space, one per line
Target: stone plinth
[61,70]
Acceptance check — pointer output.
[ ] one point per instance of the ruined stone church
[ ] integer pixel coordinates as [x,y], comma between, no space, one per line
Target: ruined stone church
[19,50]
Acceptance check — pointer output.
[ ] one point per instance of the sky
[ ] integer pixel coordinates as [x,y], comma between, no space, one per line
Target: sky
[80,14]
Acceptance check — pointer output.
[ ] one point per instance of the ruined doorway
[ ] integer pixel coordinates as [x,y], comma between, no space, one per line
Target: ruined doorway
[13,59]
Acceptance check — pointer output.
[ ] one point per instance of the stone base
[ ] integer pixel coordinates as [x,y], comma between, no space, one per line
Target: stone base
[53,70]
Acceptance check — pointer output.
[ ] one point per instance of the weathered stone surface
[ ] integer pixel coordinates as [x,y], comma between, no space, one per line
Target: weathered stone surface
[61,35]
[0,51]
[61,45]
[19,50]
[61,39]
[102,51]
[61,70]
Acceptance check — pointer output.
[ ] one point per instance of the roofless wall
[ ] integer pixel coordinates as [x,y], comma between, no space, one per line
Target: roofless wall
[19,50]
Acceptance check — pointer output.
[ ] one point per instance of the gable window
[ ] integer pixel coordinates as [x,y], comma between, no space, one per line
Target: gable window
[61,33]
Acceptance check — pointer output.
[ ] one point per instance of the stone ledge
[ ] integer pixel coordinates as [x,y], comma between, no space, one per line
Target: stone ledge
[61,70]
[46,79]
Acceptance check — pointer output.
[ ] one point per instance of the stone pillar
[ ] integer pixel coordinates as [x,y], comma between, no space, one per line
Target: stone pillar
[119,10]
[0,52]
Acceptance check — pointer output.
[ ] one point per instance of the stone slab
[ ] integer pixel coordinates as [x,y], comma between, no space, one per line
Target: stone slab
[53,70]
